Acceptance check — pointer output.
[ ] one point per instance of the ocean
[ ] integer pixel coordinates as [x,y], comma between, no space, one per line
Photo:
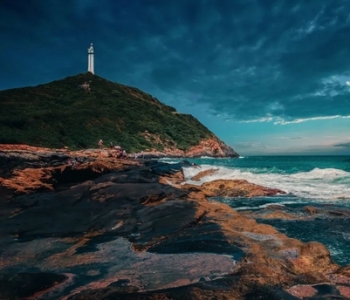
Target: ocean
[319,181]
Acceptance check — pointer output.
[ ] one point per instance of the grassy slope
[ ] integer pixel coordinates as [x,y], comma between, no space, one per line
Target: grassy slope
[62,114]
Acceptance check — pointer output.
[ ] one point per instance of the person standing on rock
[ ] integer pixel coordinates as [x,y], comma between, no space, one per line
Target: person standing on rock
[100,143]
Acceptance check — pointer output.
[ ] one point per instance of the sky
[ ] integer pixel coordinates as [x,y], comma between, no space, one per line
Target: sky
[268,77]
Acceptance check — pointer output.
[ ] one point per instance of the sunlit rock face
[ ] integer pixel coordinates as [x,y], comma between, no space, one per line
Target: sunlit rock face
[126,229]
[211,147]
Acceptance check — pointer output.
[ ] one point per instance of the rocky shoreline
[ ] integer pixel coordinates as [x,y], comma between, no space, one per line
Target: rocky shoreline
[107,228]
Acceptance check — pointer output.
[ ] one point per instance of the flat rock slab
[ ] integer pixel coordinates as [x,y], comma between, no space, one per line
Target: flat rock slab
[101,265]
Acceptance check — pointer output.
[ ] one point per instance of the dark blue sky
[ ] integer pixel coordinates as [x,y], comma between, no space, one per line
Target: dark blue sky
[267,76]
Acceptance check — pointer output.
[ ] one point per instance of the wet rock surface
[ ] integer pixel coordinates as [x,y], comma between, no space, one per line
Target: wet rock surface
[202,174]
[120,229]
[238,188]
[326,223]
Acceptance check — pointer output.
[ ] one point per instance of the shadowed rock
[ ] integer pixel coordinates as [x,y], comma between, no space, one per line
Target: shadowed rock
[25,285]
[128,230]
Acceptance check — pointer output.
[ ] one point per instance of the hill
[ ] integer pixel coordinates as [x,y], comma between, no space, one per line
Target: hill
[79,110]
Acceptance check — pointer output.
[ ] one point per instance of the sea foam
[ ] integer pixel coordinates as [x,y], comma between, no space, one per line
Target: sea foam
[321,184]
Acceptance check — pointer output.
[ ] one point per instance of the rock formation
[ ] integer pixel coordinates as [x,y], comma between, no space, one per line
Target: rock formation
[126,229]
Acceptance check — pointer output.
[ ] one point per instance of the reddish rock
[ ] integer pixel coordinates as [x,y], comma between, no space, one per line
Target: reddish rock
[211,147]
[316,253]
[124,232]
[344,291]
[175,178]
[29,180]
[13,147]
[270,215]
[311,210]
[302,291]
[238,188]
[202,174]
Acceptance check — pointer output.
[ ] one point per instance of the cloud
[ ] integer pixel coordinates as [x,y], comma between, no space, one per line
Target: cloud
[251,61]
[281,121]
[290,138]
[284,122]
[251,146]
[287,73]
[343,145]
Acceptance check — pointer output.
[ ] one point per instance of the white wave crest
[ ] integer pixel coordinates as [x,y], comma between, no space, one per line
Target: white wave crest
[324,174]
[169,160]
[322,184]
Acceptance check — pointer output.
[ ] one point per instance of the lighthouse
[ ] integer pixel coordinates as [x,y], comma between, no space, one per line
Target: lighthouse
[91,59]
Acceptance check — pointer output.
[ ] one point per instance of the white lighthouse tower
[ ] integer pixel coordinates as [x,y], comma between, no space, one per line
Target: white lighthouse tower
[91,59]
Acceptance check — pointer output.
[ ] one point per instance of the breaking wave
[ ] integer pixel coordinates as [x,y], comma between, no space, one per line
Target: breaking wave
[322,184]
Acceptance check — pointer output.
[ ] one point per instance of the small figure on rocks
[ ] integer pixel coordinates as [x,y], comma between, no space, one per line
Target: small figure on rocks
[73,163]
[100,144]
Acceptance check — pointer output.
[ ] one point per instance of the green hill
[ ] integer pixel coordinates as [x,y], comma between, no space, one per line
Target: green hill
[68,113]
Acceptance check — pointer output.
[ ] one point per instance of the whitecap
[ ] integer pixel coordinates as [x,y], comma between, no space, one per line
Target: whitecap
[318,184]
[169,160]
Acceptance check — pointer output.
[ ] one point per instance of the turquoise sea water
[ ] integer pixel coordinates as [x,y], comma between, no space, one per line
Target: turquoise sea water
[320,181]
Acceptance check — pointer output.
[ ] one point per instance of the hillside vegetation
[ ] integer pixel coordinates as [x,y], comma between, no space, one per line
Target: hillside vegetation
[64,113]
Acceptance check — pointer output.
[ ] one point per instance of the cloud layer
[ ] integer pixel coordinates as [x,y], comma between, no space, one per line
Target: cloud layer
[251,60]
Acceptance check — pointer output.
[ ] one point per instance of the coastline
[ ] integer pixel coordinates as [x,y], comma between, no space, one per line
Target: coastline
[72,217]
